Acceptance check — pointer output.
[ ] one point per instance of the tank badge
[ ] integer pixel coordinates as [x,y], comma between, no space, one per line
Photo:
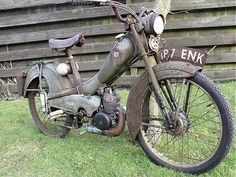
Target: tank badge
[116,54]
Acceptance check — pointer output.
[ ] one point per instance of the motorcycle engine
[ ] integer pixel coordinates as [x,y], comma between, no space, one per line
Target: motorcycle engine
[107,117]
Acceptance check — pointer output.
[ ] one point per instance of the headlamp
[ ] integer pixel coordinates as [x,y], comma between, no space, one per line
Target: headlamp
[153,24]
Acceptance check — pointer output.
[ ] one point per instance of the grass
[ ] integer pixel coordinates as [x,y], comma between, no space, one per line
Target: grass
[24,151]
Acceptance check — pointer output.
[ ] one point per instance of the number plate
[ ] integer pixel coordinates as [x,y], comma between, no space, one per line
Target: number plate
[189,55]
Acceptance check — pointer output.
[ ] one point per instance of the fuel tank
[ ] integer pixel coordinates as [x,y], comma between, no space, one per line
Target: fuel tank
[114,65]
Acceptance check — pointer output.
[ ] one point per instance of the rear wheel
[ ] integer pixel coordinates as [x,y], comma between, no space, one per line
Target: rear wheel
[56,127]
[203,132]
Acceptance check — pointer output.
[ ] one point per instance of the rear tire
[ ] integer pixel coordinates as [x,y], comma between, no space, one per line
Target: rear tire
[156,152]
[43,123]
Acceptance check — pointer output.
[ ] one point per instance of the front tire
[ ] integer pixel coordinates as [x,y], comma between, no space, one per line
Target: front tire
[208,120]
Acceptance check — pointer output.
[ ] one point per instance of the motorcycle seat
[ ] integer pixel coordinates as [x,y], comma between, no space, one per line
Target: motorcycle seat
[77,40]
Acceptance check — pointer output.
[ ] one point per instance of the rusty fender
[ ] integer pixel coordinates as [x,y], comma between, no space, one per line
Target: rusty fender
[57,83]
[173,69]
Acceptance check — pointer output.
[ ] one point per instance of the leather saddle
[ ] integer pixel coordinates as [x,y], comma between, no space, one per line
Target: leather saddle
[63,44]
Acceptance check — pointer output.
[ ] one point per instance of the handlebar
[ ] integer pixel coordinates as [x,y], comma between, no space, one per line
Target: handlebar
[113,4]
[118,15]
[90,2]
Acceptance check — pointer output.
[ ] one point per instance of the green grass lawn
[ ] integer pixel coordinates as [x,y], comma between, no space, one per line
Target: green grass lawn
[24,151]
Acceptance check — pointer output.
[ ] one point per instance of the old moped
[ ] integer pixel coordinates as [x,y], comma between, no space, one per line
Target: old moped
[178,116]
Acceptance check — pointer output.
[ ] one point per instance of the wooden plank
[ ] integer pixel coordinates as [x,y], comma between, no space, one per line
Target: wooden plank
[201,4]
[195,41]
[217,58]
[46,52]
[176,4]
[58,16]
[15,4]
[60,33]
[206,22]
[85,66]
[74,14]
[77,14]
[10,72]
[13,72]
[106,47]
[94,66]
[220,75]
[222,58]
[109,29]
[11,88]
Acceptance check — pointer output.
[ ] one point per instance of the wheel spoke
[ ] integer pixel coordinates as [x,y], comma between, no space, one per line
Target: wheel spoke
[198,104]
[171,147]
[193,149]
[209,119]
[203,135]
[43,122]
[201,120]
[173,138]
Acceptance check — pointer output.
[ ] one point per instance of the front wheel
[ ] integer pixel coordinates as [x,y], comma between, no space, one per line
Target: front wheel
[203,132]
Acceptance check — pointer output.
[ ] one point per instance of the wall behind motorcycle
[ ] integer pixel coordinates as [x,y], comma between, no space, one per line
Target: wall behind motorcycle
[25,27]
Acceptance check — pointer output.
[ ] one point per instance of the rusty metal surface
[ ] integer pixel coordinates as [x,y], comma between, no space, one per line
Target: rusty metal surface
[77,40]
[76,74]
[140,88]
[194,56]
[119,129]
[174,69]
[57,83]
[133,114]
[73,103]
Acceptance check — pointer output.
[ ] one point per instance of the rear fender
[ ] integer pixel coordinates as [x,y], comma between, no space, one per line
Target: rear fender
[56,82]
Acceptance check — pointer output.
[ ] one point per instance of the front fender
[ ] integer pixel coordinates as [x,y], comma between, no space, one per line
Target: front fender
[139,90]
[174,69]
[56,82]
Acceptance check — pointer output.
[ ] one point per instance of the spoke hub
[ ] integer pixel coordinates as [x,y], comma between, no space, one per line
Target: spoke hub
[181,123]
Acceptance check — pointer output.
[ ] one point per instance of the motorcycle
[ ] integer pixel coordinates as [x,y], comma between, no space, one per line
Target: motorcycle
[178,116]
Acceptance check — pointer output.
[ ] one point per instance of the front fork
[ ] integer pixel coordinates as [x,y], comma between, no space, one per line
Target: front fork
[155,85]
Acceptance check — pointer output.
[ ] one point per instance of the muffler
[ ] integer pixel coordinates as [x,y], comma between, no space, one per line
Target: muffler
[56,114]
[114,131]
[118,130]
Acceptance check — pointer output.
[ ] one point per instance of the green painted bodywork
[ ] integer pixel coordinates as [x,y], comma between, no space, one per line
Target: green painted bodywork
[116,63]
[118,60]
[56,82]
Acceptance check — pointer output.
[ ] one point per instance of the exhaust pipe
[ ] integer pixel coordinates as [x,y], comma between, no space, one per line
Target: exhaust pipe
[118,130]
[56,114]
[112,132]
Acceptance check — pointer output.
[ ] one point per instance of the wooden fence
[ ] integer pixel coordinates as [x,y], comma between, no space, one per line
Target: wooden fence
[26,26]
